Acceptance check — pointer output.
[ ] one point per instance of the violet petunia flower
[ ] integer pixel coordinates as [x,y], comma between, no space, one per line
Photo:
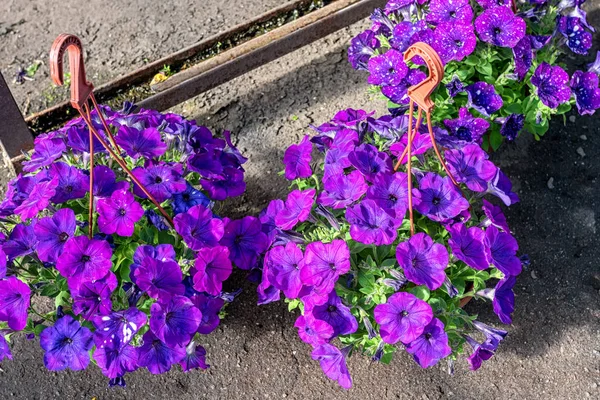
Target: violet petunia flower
[93,298]
[579,40]
[420,144]
[78,140]
[209,307]
[105,182]
[438,199]
[470,165]
[161,252]
[500,27]
[467,244]
[176,321]
[504,299]
[84,259]
[297,160]
[387,69]
[431,346]
[53,232]
[66,345]
[552,84]
[370,224]
[492,334]
[199,228]
[512,126]
[267,218]
[390,192]
[44,191]
[118,328]
[231,184]
[246,241]
[362,48]
[454,42]
[523,55]
[455,86]
[114,362]
[2,263]
[501,187]
[146,143]
[494,216]
[402,318]
[313,331]
[335,313]
[350,118]
[485,4]
[208,164]
[5,352]
[324,263]
[467,128]
[72,182]
[333,363]
[284,269]
[15,298]
[481,352]
[160,279]
[503,249]
[423,261]
[21,241]
[587,94]
[46,150]
[297,209]
[195,357]
[399,92]
[455,12]
[342,190]
[189,198]
[162,181]
[483,98]
[119,213]
[370,161]
[212,268]
[157,356]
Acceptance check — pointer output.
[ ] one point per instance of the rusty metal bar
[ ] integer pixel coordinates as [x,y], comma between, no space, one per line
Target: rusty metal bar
[14,133]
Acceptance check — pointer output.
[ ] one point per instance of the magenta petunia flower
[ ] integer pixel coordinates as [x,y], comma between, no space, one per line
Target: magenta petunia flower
[160,279]
[46,150]
[342,190]
[483,98]
[116,361]
[93,298]
[66,345]
[14,302]
[370,161]
[494,216]
[199,228]
[390,192]
[387,69]
[297,209]
[335,313]
[370,224]
[503,249]
[399,93]
[438,199]
[467,245]
[176,321]
[212,268]
[146,143]
[245,240]
[470,166]
[5,352]
[402,318]
[552,84]
[209,307]
[587,94]
[500,27]
[53,232]
[423,261]
[72,182]
[119,213]
[313,331]
[267,218]
[485,4]
[431,346]
[84,259]
[454,42]
[38,199]
[161,181]
[466,128]
[195,357]
[156,355]
[333,364]
[324,263]
[297,160]
[284,268]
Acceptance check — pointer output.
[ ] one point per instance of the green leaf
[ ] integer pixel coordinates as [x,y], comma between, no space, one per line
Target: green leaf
[293,304]
[495,139]
[61,299]
[421,292]
[484,68]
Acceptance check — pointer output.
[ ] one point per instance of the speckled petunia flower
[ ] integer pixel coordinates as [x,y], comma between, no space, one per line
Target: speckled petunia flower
[483,98]
[500,27]
[552,84]
[586,91]
[466,127]
[470,165]
[455,12]
[573,29]
[399,92]
[387,69]
[454,41]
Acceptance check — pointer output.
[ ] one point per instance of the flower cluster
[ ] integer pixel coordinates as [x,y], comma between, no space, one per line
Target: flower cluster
[341,249]
[130,294]
[495,59]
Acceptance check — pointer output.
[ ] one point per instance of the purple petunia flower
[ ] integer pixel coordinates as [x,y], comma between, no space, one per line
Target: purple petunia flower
[297,209]
[105,182]
[455,12]
[387,69]
[245,240]
[267,218]
[161,181]
[350,118]
[573,29]
[454,42]
[72,182]
[503,249]
[231,184]
[399,93]
[66,345]
[586,91]
[43,191]
[93,298]
[207,164]
[146,143]
[483,98]
[370,161]
[431,346]
[504,299]
[199,228]
[189,198]
[438,198]
[117,328]
[313,331]
[523,55]
[494,216]
[481,352]
[297,160]
[267,293]
[116,361]
[162,252]
[420,144]
[485,4]
[21,241]
[14,302]
[155,355]
[467,128]
[455,86]
[84,259]
[119,213]
[2,263]
[46,150]
[324,263]
[402,318]
[552,83]
[195,357]
[160,279]
[4,349]
[333,363]
[212,268]
[470,166]
[284,269]
[467,244]
[390,192]
[500,27]
[511,126]
[342,190]
[176,321]
[210,307]
[370,224]
[362,47]
[335,313]
[501,187]
[53,232]
[423,261]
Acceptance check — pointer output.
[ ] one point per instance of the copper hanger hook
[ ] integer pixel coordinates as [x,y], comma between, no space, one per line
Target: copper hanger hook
[421,92]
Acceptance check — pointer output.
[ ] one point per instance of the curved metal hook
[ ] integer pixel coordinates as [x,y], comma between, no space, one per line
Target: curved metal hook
[80,87]
[420,93]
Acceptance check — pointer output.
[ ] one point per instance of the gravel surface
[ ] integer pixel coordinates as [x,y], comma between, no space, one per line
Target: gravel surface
[553,349]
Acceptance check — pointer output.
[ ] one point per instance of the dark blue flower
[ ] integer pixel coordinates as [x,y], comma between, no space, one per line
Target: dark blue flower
[189,198]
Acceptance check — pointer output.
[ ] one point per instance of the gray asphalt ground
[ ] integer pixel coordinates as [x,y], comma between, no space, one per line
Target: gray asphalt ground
[553,349]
